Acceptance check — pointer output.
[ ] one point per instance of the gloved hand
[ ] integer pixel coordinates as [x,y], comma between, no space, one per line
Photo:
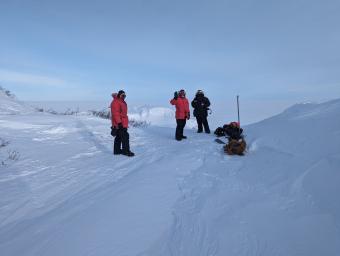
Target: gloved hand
[120,126]
[113,131]
[175,95]
[188,115]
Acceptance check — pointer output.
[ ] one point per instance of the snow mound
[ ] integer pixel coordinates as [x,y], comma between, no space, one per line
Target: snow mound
[310,128]
[157,116]
[9,105]
[314,111]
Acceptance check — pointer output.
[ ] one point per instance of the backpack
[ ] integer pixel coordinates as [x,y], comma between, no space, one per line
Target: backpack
[219,132]
[233,131]
[235,147]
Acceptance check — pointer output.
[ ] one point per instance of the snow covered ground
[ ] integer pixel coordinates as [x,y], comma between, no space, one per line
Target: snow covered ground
[67,194]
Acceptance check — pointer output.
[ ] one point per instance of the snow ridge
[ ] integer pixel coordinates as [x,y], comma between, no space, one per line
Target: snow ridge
[9,105]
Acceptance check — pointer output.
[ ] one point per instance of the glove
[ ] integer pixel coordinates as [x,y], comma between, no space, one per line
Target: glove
[188,116]
[175,95]
[120,126]
[113,131]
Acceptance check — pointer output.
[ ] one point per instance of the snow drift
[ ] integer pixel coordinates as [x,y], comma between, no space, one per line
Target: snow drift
[9,105]
[68,195]
[157,116]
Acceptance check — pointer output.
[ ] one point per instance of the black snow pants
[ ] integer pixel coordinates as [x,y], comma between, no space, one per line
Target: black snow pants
[180,127]
[122,143]
[202,121]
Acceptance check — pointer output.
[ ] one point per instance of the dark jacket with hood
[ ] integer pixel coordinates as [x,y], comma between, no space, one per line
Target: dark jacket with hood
[201,105]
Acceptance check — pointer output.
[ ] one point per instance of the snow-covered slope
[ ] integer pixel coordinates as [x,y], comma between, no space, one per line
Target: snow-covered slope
[68,195]
[9,105]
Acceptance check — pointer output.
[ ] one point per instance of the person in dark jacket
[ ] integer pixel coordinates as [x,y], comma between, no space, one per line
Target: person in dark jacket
[120,122]
[201,106]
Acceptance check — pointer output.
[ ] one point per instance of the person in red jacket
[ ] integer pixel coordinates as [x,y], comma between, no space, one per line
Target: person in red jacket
[182,112]
[120,122]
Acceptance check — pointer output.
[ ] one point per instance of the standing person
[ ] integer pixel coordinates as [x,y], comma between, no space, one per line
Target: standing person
[120,121]
[182,112]
[201,105]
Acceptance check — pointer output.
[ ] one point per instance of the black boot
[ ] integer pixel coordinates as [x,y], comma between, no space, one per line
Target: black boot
[129,154]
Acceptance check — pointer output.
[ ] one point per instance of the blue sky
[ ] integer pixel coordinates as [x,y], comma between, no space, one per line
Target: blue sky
[84,50]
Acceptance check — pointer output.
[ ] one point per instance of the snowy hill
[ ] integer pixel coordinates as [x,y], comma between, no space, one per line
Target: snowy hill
[68,195]
[9,105]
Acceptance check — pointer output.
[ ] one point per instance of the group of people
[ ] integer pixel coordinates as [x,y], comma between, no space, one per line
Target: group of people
[201,106]
[120,120]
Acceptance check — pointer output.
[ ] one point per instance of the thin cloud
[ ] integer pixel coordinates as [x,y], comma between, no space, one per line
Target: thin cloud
[31,79]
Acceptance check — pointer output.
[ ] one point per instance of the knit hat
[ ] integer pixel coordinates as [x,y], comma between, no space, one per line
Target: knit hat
[181,93]
[120,93]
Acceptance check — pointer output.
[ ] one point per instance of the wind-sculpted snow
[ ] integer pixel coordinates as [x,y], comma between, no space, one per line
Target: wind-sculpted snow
[68,195]
[9,105]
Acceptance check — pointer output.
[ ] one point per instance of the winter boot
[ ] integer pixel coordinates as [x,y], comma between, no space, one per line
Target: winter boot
[129,154]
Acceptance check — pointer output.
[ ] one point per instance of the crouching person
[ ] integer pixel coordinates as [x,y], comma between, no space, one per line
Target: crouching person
[182,112]
[120,122]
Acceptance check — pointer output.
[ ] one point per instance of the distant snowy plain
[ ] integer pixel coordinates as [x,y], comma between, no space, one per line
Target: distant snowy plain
[68,195]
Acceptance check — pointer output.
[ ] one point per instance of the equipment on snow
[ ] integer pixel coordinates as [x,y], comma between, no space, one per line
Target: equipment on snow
[238,111]
[235,147]
[219,132]
[233,131]
[236,144]
[220,141]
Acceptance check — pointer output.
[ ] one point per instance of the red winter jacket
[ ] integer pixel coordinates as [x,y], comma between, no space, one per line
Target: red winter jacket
[182,108]
[119,112]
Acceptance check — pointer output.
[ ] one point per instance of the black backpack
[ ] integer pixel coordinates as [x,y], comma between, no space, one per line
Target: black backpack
[233,132]
[219,132]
